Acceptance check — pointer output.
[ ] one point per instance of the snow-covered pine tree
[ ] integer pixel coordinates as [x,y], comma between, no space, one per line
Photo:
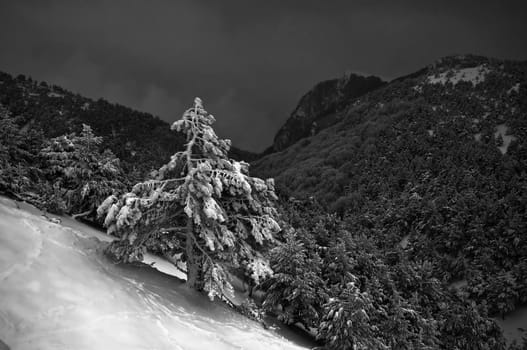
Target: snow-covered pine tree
[82,175]
[296,286]
[13,158]
[205,203]
[346,323]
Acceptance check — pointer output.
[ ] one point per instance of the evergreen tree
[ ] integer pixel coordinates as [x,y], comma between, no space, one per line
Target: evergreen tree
[16,157]
[346,322]
[9,143]
[296,288]
[206,203]
[83,176]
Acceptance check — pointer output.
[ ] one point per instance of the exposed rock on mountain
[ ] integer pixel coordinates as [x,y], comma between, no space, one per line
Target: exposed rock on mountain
[320,107]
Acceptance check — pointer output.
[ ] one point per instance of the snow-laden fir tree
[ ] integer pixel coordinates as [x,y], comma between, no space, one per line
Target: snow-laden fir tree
[14,158]
[82,175]
[346,323]
[202,204]
[296,287]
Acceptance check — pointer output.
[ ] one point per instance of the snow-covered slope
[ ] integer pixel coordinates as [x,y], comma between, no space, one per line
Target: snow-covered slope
[57,291]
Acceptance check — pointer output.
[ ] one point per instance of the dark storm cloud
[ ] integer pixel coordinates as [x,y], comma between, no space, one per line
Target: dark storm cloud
[249,60]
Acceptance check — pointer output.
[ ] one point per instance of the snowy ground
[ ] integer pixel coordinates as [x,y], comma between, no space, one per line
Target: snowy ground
[474,75]
[57,291]
[514,325]
[501,131]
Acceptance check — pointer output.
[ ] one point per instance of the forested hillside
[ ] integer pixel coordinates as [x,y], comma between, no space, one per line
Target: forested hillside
[321,107]
[66,153]
[401,212]
[435,162]
[141,141]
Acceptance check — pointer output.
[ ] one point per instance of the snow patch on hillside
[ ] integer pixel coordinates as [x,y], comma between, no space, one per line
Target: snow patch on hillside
[513,324]
[54,94]
[501,131]
[404,241]
[515,88]
[474,75]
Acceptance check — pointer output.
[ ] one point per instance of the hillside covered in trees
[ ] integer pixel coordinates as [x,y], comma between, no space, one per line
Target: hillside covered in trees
[399,221]
[433,164]
[140,140]
[319,107]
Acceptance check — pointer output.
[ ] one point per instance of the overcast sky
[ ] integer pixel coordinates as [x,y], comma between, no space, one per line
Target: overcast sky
[250,61]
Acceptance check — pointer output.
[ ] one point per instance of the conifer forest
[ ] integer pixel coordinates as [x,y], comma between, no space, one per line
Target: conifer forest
[386,211]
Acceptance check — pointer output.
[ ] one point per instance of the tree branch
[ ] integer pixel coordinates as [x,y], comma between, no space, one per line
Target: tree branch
[80,215]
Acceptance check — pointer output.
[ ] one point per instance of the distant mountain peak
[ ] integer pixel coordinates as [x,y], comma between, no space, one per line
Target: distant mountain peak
[320,106]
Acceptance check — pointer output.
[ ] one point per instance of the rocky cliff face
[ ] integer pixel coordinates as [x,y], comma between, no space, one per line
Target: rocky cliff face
[320,107]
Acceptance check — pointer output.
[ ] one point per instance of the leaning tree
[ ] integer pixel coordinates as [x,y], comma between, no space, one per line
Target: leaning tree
[201,204]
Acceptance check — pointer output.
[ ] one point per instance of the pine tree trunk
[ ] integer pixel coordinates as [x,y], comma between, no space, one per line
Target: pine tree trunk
[194,261]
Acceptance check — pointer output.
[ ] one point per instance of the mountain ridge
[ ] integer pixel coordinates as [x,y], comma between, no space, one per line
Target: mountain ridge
[358,108]
[320,106]
[142,141]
